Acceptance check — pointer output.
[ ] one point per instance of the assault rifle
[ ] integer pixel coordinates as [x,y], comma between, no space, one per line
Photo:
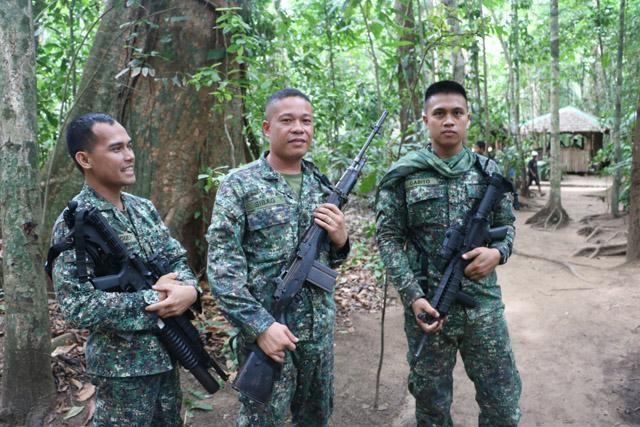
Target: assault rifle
[119,270]
[475,232]
[258,373]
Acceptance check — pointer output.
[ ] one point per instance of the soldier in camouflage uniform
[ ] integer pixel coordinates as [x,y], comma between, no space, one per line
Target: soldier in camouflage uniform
[260,213]
[137,383]
[422,195]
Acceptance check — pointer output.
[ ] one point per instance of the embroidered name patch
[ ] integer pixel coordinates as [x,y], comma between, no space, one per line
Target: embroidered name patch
[411,183]
[261,203]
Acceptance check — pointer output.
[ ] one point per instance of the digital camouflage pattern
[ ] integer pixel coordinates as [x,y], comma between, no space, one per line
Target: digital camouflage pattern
[305,386]
[121,342]
[256,224]
[416,212]
[151,400]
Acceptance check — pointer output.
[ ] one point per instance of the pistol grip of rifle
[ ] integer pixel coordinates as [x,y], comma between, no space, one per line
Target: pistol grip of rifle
[257,375]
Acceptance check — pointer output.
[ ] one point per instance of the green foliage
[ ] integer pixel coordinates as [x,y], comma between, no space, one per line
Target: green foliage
[64,34]
[342,53]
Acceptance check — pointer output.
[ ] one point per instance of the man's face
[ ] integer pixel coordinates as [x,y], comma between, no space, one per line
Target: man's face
[289,127]
[447,117]
[111,159]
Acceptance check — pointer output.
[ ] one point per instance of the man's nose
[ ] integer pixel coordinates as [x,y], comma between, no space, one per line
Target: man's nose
[297,127]
[129,154]
[448,119]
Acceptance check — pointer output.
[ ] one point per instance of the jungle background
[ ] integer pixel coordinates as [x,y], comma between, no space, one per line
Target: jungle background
[189,78]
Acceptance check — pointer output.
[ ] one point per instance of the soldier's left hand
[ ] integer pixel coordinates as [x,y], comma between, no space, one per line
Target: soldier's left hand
[178,299]
[485,260]
[331,218]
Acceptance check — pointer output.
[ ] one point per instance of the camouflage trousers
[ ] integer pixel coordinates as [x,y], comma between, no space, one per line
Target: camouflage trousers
[485,349]
[305,387]
[150,400]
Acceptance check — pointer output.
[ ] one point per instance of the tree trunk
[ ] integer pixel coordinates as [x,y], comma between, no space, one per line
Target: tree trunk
[553,214]
[27,383]
[513,114]
[374,56]
[407,67]
[515,95]
[178,130]
[485,77]
[617,175]
[328,29]
[457,58]
[633,238]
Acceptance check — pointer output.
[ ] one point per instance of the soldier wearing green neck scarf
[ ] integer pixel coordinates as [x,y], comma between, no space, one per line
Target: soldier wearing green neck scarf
[421,196]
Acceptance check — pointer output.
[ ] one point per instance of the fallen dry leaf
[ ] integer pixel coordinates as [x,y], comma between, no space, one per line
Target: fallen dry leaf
[62,350]
[86,392]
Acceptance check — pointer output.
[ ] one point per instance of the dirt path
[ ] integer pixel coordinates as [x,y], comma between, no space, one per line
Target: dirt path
[576,342]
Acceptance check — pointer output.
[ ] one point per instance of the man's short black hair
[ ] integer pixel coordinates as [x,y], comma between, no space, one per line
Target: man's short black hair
[80,137]
[285,93]
[481,144]
[444,86]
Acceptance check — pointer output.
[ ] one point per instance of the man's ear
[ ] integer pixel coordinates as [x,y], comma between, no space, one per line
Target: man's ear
[424,118]
[266,127]
[83,159]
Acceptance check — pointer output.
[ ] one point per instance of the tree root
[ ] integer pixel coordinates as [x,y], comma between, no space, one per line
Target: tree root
[592,251]
[548,216]
[564,264]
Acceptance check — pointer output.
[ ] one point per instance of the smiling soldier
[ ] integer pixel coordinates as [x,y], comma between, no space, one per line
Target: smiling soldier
[423,194]
[260,213]
[137,383]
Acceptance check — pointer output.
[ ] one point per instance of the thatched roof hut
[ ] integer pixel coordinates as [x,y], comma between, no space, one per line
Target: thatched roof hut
[582,143]
[572,120]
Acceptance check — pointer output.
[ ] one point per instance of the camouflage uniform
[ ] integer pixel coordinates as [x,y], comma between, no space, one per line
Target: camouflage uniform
[137,383]
[256,224]
[420,202]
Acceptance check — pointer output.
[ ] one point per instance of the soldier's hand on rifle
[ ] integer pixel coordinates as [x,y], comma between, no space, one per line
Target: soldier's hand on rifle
[330,218]
[275,340]
[421,305]
[485,260]
[175,298]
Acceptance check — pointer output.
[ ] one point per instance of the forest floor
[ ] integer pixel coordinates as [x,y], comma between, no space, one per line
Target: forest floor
[573,322]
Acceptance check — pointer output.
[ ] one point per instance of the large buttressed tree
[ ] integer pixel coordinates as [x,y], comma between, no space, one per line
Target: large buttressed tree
[27,383]
[142,60]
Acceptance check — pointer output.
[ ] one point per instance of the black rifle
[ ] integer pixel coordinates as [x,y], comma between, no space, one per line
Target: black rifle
[258,373]
[119,270]
[475,232]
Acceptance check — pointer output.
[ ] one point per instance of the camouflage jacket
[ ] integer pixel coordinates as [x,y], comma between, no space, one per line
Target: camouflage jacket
[121,342]
[422,206]
[255,226]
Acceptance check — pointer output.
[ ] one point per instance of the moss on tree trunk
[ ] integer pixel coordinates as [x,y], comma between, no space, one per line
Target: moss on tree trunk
[27,383]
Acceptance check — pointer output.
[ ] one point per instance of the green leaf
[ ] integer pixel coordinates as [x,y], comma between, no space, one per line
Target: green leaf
[73,411]
[199,394]
[368,183]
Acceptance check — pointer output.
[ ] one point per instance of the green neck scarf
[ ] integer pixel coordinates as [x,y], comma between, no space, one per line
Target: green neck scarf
[426,159]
